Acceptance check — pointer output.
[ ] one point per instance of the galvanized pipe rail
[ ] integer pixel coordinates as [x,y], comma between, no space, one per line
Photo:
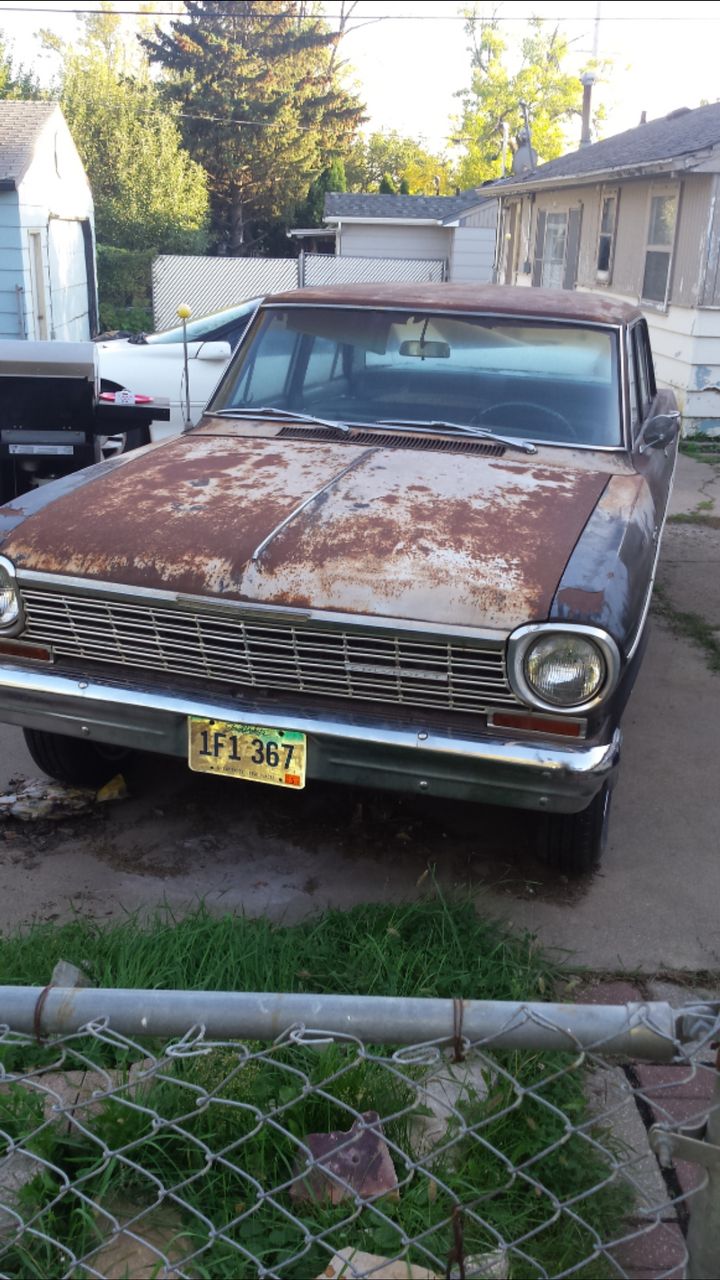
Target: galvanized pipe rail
[639,1030]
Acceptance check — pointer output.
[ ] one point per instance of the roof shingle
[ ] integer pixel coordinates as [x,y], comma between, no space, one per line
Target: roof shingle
[20,125]
[678,134]
[352,204]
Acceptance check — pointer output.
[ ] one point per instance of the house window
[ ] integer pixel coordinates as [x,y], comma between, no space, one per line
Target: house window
[658,252]
[606,238]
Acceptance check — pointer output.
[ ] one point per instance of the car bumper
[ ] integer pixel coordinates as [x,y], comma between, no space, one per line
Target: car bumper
[357,748]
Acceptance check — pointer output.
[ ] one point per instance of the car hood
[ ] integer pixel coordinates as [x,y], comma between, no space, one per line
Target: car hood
[437,537]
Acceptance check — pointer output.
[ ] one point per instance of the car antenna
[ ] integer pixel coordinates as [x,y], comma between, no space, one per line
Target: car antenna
[184,313]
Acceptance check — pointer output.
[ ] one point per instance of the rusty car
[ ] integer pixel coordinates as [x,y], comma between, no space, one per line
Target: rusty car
[411,544]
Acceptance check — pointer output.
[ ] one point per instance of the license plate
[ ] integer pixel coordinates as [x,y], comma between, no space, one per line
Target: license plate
[245,751]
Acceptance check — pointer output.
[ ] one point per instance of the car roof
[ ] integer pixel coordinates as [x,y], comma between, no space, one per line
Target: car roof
[546,304]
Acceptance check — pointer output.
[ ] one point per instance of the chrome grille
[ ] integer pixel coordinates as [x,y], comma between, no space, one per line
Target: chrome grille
[404,667]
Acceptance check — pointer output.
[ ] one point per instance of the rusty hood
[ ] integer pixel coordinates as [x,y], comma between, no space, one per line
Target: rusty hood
[439,538]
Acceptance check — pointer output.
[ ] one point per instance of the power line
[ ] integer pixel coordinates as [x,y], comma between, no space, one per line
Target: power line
[361,18]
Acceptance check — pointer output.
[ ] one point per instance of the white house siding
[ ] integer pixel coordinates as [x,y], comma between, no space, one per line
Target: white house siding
[686,352]
[11,268]
[380,240]
[55,190]
[472,256]
[685,337]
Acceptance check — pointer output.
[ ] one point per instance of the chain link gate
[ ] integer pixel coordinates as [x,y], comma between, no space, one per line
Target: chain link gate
[161,1133]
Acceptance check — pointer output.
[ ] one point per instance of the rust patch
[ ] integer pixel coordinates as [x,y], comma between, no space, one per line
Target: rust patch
[187,519]
[579,602]
[434,538]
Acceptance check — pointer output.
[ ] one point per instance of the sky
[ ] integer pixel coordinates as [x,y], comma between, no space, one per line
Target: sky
[410,65]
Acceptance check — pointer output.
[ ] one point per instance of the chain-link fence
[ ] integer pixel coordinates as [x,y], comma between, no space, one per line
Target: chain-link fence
[207,1134]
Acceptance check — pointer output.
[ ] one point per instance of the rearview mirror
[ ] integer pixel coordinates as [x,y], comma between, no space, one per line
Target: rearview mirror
[214,351]
[659,431]
[425,350]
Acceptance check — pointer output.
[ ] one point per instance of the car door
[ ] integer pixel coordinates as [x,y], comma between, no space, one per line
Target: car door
[655,464]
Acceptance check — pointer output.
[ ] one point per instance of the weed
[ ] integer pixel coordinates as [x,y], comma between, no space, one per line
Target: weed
[691,625]
[697,517]
[702,449]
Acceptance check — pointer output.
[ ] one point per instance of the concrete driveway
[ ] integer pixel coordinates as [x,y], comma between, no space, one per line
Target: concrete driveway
[652,907]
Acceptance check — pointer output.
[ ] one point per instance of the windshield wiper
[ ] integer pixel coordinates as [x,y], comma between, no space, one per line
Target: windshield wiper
[268,411]
[463,428]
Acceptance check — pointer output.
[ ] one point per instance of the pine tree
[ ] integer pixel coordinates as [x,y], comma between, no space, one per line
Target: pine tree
[262,107]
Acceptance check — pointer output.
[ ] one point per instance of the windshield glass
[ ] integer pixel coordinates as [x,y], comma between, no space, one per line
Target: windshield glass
[554,383]
[198,330]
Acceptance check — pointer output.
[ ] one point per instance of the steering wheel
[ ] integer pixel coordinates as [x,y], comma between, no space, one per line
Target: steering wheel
[557,417]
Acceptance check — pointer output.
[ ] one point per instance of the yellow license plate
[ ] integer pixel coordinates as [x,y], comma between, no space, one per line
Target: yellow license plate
[245,751]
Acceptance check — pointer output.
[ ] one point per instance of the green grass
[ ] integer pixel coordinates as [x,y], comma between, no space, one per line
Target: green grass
[419,949]
[702,448]
[218,1100]
[698,517]
[691,625]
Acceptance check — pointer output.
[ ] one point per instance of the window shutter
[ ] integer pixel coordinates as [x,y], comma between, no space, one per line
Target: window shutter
[539,246]
[572,251]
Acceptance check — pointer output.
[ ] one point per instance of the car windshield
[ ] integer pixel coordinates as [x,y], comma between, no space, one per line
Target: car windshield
[547,382]
[198,330]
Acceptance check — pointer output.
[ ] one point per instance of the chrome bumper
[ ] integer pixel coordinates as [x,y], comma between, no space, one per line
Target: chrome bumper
[358,748]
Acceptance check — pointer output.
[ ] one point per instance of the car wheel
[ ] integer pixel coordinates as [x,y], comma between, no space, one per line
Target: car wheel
[71,760]
[573,843]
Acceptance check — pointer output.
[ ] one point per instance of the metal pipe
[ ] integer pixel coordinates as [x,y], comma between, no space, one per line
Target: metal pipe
[703,1238]
[640,1030]
[587,81]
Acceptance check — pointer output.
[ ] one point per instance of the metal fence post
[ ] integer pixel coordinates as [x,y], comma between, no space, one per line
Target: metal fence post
[703,1238]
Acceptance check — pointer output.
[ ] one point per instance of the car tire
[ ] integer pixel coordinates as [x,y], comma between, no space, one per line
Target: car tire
[74,761]
[573,843]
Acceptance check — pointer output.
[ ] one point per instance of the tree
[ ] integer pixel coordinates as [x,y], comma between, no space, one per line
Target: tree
[553,96]
[310,212]
[263,107]
[16,81]
[148,192]
[403,160]
[387,185]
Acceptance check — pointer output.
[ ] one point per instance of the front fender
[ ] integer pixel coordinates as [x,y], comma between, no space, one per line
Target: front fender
[608,576]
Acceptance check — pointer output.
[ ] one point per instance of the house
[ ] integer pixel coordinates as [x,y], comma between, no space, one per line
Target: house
[457,231]
[47,246]
[636,215]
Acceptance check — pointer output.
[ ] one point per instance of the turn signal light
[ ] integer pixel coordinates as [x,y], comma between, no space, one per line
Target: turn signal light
[25,649]
[537,724]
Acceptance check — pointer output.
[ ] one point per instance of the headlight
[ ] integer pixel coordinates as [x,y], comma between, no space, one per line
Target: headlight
[562,666]
[9,599]
[566,670]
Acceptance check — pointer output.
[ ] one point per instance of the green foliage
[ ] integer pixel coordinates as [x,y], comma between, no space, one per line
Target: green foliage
[403,160]
[16,81]
[421,948]
[310,212]
[264,110]
[124,286]
[147,190]
[553,95]
[387,185]
[148,193]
